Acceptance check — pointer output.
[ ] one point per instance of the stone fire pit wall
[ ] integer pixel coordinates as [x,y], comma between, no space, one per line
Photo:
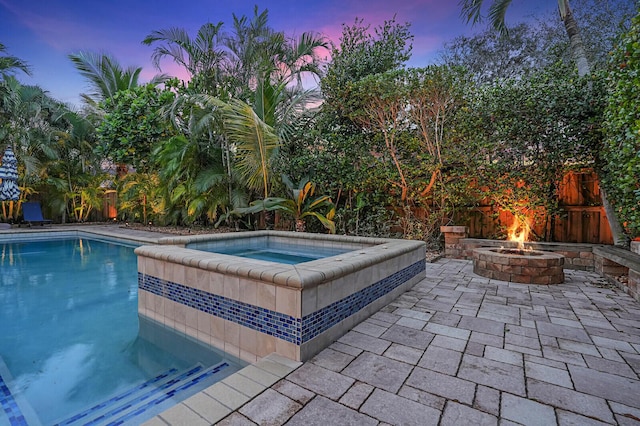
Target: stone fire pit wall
[577,256]
[533,267]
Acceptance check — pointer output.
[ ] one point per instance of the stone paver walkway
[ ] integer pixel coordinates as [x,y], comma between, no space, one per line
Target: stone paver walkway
[461,349]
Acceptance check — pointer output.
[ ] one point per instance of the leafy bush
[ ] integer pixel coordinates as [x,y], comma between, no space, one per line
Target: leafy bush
[622,130]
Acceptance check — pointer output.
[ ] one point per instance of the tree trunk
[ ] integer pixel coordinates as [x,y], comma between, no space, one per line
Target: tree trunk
[580,57]
[620,239]
[575,39]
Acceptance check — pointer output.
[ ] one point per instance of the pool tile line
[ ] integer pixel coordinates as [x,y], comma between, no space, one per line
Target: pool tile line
[228,394]
[168,395]
[9,406]
[117,398]
[150,399]
[282,326]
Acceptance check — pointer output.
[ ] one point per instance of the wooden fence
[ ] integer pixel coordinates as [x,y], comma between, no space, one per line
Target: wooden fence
[582,218]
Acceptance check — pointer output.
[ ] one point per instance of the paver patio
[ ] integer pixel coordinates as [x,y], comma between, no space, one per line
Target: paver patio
[462,349]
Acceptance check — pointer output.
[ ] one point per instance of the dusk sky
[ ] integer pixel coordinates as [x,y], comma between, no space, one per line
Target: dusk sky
[44,32]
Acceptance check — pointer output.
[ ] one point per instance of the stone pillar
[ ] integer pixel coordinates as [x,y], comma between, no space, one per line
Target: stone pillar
[452,236]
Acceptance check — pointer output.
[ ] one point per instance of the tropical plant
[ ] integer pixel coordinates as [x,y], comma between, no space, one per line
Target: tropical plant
[26,123]
[298,206]
[254,142]
[74,180]
[194,180]
[141,198]
[257,102]
[261,55]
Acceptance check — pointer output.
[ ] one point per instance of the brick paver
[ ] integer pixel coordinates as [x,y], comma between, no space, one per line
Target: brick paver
[462,349]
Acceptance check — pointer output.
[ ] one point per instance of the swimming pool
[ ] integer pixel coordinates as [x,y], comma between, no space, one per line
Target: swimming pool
[72,348]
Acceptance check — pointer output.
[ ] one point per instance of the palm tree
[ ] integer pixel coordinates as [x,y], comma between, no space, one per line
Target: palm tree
[106,76]
[253,93]
[26,114]
[471,10]
[260,53]
[202,56]
[10,64]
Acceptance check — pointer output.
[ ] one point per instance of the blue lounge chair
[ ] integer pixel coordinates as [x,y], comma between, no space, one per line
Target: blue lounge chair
[32,213]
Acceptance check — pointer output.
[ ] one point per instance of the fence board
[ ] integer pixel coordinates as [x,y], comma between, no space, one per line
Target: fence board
[582,220]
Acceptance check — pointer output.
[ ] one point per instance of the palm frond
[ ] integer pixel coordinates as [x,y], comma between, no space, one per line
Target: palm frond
[254,140]
[471,10]
[497,14]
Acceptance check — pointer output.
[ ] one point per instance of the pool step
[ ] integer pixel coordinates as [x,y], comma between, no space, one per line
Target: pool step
[144,398]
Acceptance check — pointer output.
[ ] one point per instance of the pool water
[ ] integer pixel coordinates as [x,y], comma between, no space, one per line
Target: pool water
[289,254]
[73,349]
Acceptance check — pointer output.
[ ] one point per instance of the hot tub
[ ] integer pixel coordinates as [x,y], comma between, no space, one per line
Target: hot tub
[251,307]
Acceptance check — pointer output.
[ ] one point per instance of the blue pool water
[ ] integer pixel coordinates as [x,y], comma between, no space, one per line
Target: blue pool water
[290,254]
[72,347]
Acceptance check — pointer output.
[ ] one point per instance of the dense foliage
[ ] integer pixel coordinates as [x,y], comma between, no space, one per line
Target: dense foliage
[133,125]
[524,134]
[379,149]
[622,129]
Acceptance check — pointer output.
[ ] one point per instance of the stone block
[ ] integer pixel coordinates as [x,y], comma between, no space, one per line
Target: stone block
[378,371]
[396,410]
[458,414]
[322,412]
[527,412]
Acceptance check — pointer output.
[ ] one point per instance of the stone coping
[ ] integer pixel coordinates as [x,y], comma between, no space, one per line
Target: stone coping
[187,239]
[102,232]
[303,275]
[492,253]
[536,245]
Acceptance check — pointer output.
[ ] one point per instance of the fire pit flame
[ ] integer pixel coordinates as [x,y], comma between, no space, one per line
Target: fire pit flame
[519,232]
[519,265]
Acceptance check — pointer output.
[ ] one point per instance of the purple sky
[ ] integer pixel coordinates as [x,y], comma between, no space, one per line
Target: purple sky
[44,32]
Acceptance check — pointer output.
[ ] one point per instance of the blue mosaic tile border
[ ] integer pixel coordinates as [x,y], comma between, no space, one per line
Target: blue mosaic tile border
[285,327]
[9,406]
[322,320]
[266,321]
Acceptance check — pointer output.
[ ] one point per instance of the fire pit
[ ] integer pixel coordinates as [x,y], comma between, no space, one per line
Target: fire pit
[519,265]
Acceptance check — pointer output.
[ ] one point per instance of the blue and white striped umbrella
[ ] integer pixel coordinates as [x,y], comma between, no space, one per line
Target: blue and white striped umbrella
[9,190]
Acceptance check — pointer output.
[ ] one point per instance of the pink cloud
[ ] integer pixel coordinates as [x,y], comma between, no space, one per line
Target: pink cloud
[170,68]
